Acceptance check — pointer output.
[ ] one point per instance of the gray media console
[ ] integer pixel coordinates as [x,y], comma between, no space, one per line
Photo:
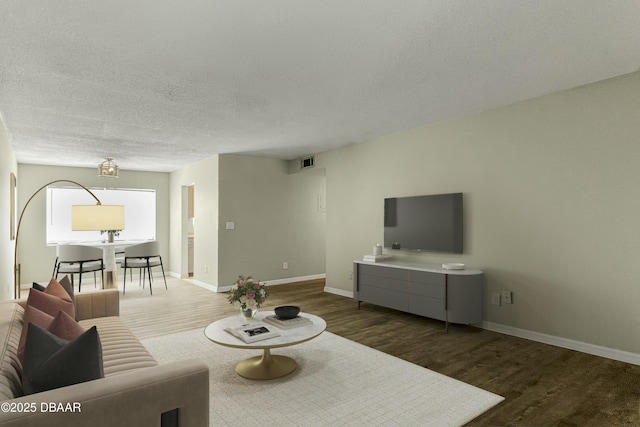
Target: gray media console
[454,296]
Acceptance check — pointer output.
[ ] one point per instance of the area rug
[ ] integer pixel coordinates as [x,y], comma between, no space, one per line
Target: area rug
[338,383]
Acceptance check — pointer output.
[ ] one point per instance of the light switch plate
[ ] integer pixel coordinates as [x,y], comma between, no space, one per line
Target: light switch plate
[495,298]
[507,297]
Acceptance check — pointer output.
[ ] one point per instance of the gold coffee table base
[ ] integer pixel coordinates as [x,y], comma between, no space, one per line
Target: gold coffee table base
[266,367]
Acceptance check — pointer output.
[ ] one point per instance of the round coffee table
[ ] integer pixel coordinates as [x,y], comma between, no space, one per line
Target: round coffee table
[266,366]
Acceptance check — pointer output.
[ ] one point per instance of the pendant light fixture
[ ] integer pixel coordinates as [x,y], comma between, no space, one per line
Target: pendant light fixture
[108,168]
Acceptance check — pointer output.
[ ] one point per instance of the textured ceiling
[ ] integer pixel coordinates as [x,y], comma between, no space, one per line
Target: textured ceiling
[159,84]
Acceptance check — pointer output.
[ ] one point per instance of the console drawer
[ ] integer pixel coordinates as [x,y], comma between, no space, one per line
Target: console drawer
[377,271]
[423,289]
[427,277]
[384,297]
[428,307]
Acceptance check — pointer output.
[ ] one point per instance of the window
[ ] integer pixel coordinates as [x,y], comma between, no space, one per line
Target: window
[139,213]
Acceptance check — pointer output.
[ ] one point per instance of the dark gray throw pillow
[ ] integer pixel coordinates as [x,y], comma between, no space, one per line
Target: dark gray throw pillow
[51,362]
[38,286]
[66,284]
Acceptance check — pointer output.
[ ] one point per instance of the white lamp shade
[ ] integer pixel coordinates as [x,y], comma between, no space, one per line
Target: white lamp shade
[97,217]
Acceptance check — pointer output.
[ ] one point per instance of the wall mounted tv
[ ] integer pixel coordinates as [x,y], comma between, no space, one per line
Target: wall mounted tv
[424,223]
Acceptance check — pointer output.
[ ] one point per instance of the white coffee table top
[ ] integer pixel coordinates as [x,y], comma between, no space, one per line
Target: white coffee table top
[216,333]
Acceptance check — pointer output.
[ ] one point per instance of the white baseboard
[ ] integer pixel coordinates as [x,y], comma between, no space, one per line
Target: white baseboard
[341,292]
[207,286]
[596,350]
[227,288]
[294,279]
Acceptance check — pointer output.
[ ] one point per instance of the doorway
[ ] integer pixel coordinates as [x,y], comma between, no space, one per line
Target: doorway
[187,234]
[191,228]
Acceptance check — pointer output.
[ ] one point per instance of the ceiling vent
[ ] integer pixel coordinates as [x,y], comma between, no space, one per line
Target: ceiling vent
[307,162]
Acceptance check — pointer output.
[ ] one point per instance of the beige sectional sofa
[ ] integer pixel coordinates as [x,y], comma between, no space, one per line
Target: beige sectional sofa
[136,390]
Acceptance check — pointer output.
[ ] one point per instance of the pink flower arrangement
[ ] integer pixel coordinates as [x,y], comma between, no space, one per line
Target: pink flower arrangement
[248,292]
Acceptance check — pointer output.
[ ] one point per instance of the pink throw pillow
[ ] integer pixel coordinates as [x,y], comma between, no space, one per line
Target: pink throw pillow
[50,304]
[56,289]
[65,327]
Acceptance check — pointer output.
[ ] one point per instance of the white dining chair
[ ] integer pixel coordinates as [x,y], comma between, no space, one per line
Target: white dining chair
[143,256]
[79,259]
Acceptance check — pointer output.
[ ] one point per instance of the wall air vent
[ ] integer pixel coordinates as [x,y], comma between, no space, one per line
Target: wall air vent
[307,162]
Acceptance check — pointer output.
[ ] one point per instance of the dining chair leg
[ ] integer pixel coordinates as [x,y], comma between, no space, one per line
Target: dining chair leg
[163,276]
[55,269]
[149,273]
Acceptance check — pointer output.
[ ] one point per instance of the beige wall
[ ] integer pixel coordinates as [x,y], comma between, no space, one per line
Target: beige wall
[275,213]
[35,257]
[7,166]
[277,219]
[552,206]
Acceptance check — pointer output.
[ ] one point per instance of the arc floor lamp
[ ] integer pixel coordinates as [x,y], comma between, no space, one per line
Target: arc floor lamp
[83,218]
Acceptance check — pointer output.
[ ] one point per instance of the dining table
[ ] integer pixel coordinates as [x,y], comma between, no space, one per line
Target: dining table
[109,258]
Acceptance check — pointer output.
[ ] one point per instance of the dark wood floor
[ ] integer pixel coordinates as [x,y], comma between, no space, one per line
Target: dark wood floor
[543,385]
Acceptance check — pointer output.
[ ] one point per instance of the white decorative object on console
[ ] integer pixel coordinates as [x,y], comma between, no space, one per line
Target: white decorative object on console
[453,266]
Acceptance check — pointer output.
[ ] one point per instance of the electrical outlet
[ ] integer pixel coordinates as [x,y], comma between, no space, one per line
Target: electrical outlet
[285,265]
[206,268]
[507,297]
[495,298]
[350,275]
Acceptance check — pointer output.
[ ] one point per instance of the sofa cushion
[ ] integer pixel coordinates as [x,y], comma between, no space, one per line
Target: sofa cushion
[121,350]
[51,362]
[11,318]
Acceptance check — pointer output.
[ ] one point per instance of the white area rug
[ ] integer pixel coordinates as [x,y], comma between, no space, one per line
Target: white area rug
[338,383]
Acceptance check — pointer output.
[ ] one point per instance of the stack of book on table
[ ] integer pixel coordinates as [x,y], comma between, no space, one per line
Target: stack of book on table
[252,332]
[294,322]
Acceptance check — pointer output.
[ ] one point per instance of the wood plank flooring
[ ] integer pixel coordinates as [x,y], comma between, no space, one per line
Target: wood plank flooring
[543,385]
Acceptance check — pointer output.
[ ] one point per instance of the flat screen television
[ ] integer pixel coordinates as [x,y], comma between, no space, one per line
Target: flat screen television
[424,223]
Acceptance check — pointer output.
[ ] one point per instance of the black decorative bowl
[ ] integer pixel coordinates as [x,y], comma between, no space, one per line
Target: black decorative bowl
[287,311]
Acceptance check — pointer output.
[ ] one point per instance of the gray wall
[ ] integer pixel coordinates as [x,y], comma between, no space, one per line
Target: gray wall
[552,205]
